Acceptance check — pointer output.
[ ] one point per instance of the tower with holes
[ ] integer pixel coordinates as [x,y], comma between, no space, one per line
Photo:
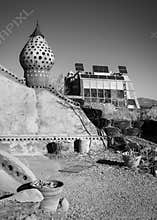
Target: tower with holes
[36,59]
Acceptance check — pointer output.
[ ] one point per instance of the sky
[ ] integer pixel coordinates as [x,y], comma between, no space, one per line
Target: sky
[101,32]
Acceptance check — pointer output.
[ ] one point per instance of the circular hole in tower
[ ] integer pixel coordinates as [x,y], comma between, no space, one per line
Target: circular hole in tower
[3,165]
[10,167]
[25,177]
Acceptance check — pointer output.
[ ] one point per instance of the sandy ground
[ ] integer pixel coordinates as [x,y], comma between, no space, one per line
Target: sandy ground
[102,191]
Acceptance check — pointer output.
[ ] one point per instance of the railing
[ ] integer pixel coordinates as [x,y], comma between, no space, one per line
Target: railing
[14,138]
[74,105]
[63,97]
[10,75]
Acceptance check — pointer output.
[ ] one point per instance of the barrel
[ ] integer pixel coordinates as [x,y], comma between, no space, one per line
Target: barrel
[81,146]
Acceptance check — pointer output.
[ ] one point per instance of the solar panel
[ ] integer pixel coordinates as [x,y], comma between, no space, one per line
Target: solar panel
[100,69]
[79,67]
[122,69]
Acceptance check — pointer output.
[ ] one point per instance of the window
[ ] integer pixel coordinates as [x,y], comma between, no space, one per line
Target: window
[86,83]
[131,102]
[120,94]
[119,85]
[101,100]
[100,93]
[93,83]
[113,85]
[107,100]
[86,92]
[94,99]
[113,93]
[115,102]
[107,93]
[121,103]
[87,100]
[93,93]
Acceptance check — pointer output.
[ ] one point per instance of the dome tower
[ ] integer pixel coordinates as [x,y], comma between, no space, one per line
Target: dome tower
[37,59]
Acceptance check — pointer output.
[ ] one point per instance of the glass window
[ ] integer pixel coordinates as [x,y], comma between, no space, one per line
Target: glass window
[87,100]
[113,85]
[101,100]
[107,93]
[93,93]
[87,92]
[100,84]
[131,102]
[121,103]
[115,102]
[120,94]
[94,99]
[107,84]
[120,85]
[107,100]
[100,93]
[93,83]
[113,93]
[86,83]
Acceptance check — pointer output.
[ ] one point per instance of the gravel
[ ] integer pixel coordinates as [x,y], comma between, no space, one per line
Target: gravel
[112,193]
[101,192]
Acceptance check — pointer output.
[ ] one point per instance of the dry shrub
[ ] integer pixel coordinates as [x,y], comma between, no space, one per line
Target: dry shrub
[110,112]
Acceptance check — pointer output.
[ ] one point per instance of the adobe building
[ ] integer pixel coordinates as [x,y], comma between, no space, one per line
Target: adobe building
[101,86]
[32,112]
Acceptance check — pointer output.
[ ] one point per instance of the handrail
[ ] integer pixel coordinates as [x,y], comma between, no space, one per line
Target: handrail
[12,75]
[7,138]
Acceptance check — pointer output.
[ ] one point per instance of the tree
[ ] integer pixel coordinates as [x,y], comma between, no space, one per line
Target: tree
[152,113]
[58,83]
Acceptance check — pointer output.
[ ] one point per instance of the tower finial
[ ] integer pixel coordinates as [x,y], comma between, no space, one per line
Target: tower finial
[37,31]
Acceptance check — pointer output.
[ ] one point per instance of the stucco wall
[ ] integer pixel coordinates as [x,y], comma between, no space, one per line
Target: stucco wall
[18,112]
[56,117]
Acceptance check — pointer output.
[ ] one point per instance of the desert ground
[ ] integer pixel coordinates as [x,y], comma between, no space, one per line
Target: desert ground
[95,191]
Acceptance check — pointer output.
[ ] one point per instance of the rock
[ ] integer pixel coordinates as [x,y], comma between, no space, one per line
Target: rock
[64,204]
[29,195]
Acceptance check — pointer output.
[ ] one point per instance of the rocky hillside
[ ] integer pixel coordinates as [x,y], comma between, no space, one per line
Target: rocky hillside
[146,102]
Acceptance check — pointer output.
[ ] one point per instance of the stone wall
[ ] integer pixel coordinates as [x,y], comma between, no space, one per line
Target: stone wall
[25,111]
[29,112]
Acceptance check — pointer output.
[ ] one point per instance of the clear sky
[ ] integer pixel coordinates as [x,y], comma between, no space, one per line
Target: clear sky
[105,32]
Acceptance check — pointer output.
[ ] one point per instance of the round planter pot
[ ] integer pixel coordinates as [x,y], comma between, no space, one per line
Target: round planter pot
[51,195]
